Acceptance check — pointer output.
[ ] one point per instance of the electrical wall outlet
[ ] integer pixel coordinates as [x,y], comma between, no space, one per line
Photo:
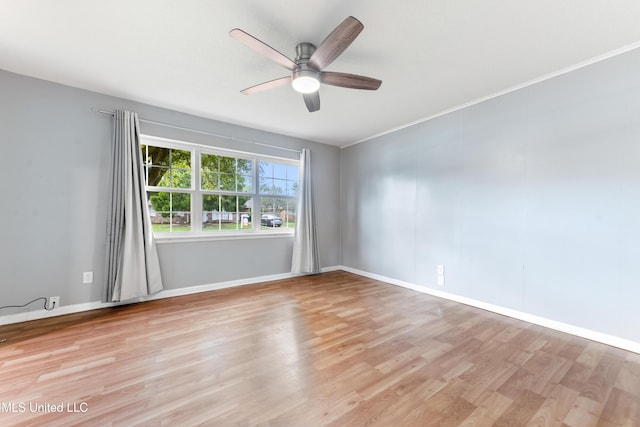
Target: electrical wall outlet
[87,277]
[53,302]
[440,275]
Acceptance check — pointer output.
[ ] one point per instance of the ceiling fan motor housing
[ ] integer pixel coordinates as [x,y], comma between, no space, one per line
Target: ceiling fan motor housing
[305,79]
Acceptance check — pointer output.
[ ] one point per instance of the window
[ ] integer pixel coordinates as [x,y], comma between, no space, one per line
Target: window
[197,190]
[278,193]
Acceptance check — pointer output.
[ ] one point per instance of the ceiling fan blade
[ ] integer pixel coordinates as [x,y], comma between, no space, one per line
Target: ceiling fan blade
[351,81]
[335,43]
[267,85]
[262,48]
[312,100]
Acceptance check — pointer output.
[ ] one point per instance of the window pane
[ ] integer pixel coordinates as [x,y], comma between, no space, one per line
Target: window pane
[166,167]
[292,172]
[210,210]
[210,202]
[266,169]
[180,222]
[244,173]
[292,188]
[278,179]
[159,156]
[170,212]
[237,213]
[290,216]
[227,164]
[245,183]
[277,213]
[180,202]
[210,162]
[180,158]
[209,181]
[245,166]
[226,173]
[280,171]
[159,209]
[226,213]
[266,185]
[279,186]
[159,176]
[227,182]
[180,178]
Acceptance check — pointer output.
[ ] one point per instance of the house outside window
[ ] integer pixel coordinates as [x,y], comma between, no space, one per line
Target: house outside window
[196,190]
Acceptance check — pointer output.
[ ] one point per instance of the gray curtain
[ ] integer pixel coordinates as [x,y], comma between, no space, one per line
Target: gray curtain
[133,269]
[305,259]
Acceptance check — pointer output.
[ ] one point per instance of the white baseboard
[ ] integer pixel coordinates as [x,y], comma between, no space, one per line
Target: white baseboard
[527,317]
[552,324]
[168,293]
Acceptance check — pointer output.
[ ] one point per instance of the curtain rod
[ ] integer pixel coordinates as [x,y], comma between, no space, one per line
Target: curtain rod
[233,138]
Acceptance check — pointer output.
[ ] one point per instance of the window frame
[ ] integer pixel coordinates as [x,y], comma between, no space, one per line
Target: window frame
[196,191]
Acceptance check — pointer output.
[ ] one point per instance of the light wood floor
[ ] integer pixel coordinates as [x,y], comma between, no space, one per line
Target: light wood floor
[335,349]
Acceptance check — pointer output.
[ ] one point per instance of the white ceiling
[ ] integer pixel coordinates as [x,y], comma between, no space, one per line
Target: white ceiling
[432,55]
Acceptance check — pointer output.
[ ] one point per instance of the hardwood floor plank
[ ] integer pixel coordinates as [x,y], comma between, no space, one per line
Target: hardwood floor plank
[524,407]
[629,378]
[333,349]
[622,408]
[603,378]
[549,371]
[491,405]
[555,409]
[584,413]
[444,408]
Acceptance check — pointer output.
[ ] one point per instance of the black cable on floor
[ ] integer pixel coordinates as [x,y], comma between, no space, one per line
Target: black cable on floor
[30,302]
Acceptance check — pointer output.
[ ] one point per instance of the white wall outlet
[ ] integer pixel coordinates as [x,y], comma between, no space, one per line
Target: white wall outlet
[53,302]
[440,275]
[87,277]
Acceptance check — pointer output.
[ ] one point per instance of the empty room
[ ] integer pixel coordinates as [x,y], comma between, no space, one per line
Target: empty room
[279,213]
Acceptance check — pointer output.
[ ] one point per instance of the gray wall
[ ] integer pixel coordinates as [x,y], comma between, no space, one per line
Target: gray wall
[54,160]
[531,200]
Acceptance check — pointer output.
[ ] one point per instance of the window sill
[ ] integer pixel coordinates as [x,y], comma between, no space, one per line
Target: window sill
[184,238]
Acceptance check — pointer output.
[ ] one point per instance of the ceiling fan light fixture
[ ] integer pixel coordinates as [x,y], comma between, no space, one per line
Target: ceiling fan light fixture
[305,81]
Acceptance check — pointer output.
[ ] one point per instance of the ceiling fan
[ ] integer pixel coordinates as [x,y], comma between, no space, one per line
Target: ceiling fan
[307,69]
